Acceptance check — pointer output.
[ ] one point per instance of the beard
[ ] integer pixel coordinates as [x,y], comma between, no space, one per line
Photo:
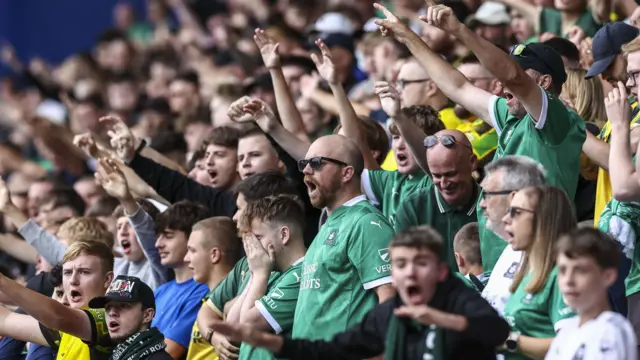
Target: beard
[325,194]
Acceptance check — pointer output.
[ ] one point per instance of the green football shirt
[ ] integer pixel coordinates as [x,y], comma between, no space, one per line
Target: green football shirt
[347,259]
[537,315]
[389,189]
[427,207]
[278,307]
[551,21]
[554,141]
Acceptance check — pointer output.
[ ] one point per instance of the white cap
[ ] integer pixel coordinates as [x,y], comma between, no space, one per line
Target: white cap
[370,25]
[334,23]
[490,13]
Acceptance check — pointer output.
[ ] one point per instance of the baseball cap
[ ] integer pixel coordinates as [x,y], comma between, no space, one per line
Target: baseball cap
[489,13]
[541,58]
[607,43]
[126,289]
[333,22]
[333,40]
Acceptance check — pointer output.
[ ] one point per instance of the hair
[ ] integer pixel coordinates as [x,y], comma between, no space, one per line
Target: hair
[467,242]
[91,248]
[376,137]
[632,46]
[230,91]
[146,206]
[421,237]
[225,136]
[53,227]
[221,232]
[63,197]
[590,242]
[181,216]
[553,217]
[470,58]
[190,77]
[565,48]
[104,206]
[425,117]
[120,78]
[302,62]
[519,172]
[280,209]
[268,183]
[370,41]
[86,229]
[586,95]
[168,141]
[55,275]
[195,157]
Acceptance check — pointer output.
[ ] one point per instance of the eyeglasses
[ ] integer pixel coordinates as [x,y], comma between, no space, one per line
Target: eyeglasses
[316,162]
[633,77]
[447,141]
[515,211]
[402,83]
[486,194]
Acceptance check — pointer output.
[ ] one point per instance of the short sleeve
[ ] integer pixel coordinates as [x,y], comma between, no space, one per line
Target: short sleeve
[179,330]
[558,309]
[99,332]
[279,304]
[498,113]
[374,182]
[226,290]
[555,120]
[368,250]
[52,336]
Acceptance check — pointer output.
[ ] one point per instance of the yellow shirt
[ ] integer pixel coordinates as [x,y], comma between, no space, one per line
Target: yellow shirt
[389,162]
[73,348]
[199,348]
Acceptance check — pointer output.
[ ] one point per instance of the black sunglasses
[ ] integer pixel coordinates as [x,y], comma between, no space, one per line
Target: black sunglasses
[486,194]
[515,211]
[447,141]
[316,162]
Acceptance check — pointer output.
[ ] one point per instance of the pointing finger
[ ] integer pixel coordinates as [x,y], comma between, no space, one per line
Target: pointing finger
[388,14]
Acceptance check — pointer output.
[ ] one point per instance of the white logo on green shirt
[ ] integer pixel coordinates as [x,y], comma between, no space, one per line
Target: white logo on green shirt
[277,294]
[377,224]
[384,254]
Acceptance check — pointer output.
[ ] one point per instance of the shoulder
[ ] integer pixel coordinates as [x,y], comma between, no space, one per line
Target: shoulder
[371,217]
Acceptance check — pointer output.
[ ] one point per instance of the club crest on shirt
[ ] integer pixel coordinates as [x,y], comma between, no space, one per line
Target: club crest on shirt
[527,298]
[331,239]
[511,271]
[384,254]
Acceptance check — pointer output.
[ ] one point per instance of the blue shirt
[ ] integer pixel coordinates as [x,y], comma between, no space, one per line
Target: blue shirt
[39,352]
[11,349]
[177,307]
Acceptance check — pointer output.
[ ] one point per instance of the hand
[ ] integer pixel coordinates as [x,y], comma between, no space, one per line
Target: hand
[122,139]
[245,333]
[236,111]
[420,313]
[268,49]
[442,17]
[309,84]
[261,113]
[576,35]
[260,261]
[5,197]
[325,66]
[389,98]
[86,143]
[617,106]
[112,180]
[225,350]
[391,25]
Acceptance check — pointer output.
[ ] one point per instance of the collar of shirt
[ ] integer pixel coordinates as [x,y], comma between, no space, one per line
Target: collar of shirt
[469,209]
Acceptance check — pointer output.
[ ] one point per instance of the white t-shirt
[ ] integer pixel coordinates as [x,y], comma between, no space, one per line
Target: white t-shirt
[607,337]
[497,290]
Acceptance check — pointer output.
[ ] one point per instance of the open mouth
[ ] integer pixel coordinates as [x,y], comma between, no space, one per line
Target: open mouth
[126,246]
[311,186]
[401,158]
[414,292]
[212,174]
[113,326]
[247,174]
[75,296]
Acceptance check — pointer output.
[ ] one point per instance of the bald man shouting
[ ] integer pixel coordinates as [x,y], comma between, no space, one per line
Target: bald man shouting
[346,270]
[450,201]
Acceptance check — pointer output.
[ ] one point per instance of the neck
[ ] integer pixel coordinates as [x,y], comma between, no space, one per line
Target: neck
[438,101]
[218,273]
[342,197]
[292,254]
[476,270]
[466,198]
[595,310]
[183,273]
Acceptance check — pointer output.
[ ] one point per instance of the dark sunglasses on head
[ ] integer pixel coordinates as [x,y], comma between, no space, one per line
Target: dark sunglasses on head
[316,162]
[515,211]
[447,141]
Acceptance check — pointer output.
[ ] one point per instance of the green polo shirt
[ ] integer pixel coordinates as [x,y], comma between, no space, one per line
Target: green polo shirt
[427,207]
[551,21]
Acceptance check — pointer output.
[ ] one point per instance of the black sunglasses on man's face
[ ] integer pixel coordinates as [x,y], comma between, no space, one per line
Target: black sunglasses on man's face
[316,162]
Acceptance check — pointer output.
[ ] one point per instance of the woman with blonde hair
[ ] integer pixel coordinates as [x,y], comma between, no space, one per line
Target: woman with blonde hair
[585,96]
[536,219]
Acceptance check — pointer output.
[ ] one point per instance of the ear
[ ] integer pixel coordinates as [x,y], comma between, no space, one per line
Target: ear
[348,173]
[545,81]
[375,153]
[148,315]
[496,87]
[473,161]
[431,89]
[281,166]
[459,259]
[285,234]
[108,279]
[610,276]
[443,272]
[216,255]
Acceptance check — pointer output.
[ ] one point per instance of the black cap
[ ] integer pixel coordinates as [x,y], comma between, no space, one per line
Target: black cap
[159,105]
[126,289]
[607,43]
[541,58]
[332,40]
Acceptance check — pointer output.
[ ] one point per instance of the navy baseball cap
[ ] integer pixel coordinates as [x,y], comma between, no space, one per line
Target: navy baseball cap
[126,289]
[541,58]
[607,43]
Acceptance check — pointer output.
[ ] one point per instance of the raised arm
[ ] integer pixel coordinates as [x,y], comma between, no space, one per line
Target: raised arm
[351,124]
[452,82]
[20,327]
[289,113]
[494,59]
[624,179]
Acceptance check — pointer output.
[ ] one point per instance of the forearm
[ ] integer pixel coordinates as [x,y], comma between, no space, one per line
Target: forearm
[206,318]
[534,347]
[295,147]
[622,172]
[289,113]
[15,216]
[20,327]
[257,289]
[18,249]
[414,136]
[597,151]
[144,227]
[233,316]
[47,245]
[162,160]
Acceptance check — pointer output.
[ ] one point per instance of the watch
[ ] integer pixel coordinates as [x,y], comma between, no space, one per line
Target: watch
[208,335]
[512,342]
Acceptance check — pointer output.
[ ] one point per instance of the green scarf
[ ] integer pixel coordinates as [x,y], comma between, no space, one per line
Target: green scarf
[396,337]
[140,346]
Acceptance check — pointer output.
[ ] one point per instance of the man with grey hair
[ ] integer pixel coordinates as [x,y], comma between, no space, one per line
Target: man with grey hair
[504,177]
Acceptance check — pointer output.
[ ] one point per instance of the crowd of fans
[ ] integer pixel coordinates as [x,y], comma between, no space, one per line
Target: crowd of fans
[327,179]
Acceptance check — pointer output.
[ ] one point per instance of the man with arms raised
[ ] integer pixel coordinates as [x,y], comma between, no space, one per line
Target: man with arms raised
[531,121]
[346,268]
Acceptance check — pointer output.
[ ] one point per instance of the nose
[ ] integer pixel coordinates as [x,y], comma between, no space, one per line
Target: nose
[74,279]
[209,160]
[506,218]
[246,162]
[307,170]
[112,312]
[159,243]
[483,203]
[187,257]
